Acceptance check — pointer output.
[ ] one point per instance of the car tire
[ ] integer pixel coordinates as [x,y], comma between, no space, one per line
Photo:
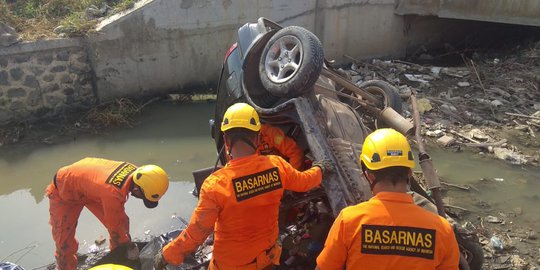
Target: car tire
[388,92]
[291,62]
[473,252]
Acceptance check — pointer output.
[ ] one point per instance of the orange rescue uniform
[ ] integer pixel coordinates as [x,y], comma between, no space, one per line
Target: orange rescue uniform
[389,232]
[100,185]
[240,204]
[274,142]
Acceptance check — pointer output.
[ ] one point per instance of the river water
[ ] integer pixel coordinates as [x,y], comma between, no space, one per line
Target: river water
[177,138]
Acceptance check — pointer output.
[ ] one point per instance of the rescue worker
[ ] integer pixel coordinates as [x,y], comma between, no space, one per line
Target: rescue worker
[239,203]
[103,187]
[389,231]
[273,141]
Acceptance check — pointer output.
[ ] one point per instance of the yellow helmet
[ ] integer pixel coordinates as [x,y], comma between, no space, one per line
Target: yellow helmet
[153,181]
[110,266]
[241,115]
[386,148]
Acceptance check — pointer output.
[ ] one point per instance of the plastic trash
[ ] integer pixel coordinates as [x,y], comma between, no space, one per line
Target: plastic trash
[496,243]
[10,266]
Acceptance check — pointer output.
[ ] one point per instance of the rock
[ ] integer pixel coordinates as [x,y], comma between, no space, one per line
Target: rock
[518,262]
[509,155]
[449,107]
[493,219]
[463,84]
[496,103]
[436,71]
[478,134]
[4,78]
[518,211]
[57,69]
[405,90]
[16,92]
[8,35]
[536,106]
[424,105]
[64,29]
[446,140]
[34,98]
[16,73]
[532,235]
[522,127]
[45,60]
[31,81]
[435,133]
[356,78]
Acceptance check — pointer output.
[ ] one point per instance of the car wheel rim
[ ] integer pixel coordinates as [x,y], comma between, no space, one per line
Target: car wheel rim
[283,59]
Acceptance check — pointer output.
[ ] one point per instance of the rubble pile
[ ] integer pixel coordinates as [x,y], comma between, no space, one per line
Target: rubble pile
[489,104]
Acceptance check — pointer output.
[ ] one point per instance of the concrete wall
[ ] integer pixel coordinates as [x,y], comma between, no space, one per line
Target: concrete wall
[523,12]
[43,78]
[168,45]
[163,46]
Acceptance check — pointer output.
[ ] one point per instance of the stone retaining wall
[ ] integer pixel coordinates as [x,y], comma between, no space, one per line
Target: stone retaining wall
[43,79]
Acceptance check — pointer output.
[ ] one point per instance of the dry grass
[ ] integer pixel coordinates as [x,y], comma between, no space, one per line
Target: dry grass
[36,19]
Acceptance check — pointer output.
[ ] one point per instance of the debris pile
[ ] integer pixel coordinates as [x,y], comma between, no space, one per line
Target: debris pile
[490,104]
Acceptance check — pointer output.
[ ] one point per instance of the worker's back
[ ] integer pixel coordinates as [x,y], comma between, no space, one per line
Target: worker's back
[92,178]
[390,232]
[248,191]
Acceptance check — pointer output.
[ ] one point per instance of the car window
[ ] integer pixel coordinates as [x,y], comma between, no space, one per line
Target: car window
[234,67]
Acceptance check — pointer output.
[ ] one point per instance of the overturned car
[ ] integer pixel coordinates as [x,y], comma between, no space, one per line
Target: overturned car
[282,73]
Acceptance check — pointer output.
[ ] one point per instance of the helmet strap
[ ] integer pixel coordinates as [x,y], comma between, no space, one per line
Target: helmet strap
[371,183]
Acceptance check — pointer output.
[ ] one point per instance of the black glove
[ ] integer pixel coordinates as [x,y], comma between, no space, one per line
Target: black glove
[132,252]
[326,166]
[159,261]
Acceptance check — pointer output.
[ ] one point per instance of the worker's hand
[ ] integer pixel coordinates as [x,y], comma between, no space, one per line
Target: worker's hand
[159,262]
[132,251]
[326,166]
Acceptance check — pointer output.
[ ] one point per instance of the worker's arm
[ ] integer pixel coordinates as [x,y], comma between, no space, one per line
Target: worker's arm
[200,226]
[450,258]
[285,145]
[299,181]
[115,219]
[334,254]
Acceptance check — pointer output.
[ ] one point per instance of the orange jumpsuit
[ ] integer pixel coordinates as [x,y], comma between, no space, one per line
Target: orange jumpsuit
[389,232]
[100,185]
[274,142]
[240,204]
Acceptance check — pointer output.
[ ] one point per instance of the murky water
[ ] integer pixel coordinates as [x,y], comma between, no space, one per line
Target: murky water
[177,138]
[506,191]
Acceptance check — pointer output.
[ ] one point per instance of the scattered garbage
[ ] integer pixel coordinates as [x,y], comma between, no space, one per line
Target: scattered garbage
[496,243]
[493,219]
